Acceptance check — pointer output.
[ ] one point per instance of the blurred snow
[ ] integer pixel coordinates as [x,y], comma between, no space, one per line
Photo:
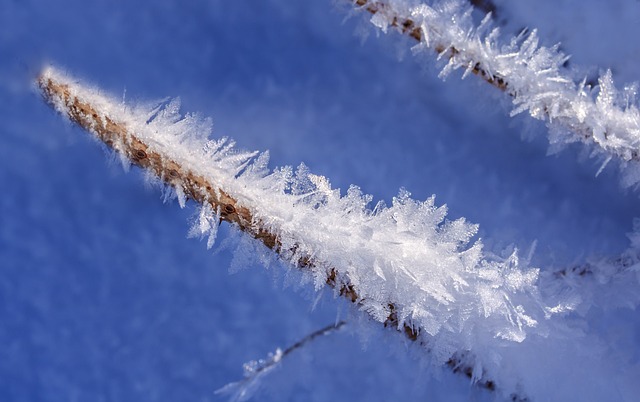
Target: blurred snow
[102,297]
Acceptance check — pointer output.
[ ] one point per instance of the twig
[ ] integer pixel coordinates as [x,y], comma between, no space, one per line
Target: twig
[321,332]
[255,371]
[530,74]
[89,114]
[409,27]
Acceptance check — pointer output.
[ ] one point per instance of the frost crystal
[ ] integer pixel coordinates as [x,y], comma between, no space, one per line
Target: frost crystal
[408,255]
[533,75]
[254,372]
[406,265]
[206,224]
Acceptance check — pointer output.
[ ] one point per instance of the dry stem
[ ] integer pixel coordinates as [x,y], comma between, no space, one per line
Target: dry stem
[198,188]
[408,27]
[486,6]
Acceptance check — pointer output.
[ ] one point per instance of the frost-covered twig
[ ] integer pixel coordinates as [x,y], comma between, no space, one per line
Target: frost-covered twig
[606,120]
[404,265]
[403,18]
[256,370]
[606,283]
[534,76]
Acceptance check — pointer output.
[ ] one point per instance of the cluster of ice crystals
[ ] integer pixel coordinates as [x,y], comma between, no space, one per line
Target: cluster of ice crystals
[603,118]
[406,260]
[407,255]
[206,224]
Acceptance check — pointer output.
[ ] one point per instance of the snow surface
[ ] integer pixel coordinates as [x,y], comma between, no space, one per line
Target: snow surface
[104,298]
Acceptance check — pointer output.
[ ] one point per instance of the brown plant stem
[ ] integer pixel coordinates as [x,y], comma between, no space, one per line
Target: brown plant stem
[409,27]
[118,136]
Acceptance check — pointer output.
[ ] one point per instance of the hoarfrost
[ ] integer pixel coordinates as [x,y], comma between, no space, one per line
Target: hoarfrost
[534,76]
[406,261]
[206,224]
[254,373]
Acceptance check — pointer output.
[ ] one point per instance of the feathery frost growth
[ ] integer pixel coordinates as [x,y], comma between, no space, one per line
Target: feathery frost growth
[603,118]
[406,265]
[254,372]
